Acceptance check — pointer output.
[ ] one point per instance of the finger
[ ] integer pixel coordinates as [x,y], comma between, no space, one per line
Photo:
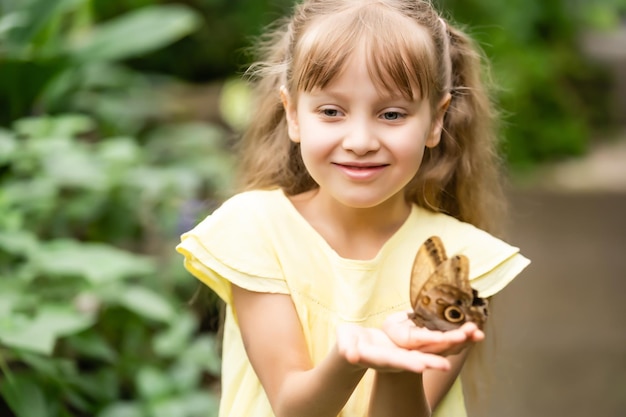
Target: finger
[405,334]
[446,349]
[384,358]
[472,332]
[454,341]
[452,347]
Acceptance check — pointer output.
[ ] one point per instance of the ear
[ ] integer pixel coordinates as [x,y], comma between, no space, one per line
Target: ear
[434,136]
[291,115]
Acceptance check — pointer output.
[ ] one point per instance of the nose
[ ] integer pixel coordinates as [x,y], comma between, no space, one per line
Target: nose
[360,138]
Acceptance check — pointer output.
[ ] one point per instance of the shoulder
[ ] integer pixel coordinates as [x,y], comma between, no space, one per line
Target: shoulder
[252,201]
[234,244]
[244,210]
[239,233]
[455,234]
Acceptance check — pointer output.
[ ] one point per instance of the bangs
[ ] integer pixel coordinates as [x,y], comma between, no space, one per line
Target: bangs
[398,51]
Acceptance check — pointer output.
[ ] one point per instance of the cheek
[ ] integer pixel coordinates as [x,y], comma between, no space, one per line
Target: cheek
[316,138]
[410,146]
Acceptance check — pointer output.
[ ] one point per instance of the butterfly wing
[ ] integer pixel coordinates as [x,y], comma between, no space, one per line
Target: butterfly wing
[429,256]
[441,295]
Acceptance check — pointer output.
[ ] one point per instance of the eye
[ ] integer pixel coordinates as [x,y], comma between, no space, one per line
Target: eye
[392,115]
[453,314]
[330,112]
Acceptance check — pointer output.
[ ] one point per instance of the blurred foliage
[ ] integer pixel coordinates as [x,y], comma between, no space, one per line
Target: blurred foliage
[214,51]
[53,54]
[91,317]
[552,97]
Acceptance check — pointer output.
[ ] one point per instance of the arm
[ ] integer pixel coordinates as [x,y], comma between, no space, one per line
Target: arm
[413,394]
[275,345]
[437,384]
[407,394]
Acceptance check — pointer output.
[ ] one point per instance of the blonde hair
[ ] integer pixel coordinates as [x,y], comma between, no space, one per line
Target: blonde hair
[411,48]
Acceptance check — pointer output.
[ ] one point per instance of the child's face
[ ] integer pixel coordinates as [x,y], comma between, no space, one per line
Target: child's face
[360,147]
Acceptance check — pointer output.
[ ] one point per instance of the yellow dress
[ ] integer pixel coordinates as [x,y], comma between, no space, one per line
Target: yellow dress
[259,241]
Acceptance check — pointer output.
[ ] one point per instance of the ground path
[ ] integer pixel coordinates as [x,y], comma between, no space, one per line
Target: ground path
[562,325]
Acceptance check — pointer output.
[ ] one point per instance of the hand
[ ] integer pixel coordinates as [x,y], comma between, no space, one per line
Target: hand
[404,333]
[372,348]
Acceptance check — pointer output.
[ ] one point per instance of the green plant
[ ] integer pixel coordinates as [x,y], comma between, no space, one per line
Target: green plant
[212,52]
[51,51]
[91,317]
[540,72]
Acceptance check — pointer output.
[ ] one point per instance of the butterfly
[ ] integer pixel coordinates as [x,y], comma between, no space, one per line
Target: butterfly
[441,295]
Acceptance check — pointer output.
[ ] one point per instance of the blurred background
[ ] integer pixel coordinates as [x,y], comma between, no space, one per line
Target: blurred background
[117,120]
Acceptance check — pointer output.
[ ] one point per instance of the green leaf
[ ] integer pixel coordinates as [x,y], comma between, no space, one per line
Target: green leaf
[101,385]
[61,126]
[201,403]
[54,370]
[120,152]
[203,352]
[166,407]
[185,376]
[11,21]
[18,242]
[74,167]
[15,296]
[9,300]
[152,383]
[174,340]
[180,142]
[93,345]
[153,183]
[33,16]
[96,262]
[147,303]
[8,146]
[40,333]
[194,404]
[24,397]
[123,409]
[136,33]
[18,331]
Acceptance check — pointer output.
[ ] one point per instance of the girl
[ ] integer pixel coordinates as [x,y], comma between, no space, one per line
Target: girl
[372,133]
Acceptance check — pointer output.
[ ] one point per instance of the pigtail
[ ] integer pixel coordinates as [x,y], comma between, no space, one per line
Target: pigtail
[268,159]
[461,176]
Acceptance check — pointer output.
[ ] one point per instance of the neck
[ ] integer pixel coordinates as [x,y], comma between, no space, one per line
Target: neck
[356,233]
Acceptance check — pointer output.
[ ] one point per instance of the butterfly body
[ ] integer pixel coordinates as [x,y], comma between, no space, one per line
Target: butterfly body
[441,295]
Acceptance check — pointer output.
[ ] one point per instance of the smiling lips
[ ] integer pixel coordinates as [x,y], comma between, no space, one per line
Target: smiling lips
[361,171]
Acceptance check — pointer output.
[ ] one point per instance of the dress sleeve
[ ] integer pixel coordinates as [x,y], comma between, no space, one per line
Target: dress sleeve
[494,280]
[234,245]
[493,262]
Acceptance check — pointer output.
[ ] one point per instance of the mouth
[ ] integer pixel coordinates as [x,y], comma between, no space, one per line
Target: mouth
[361,171]
[360,166]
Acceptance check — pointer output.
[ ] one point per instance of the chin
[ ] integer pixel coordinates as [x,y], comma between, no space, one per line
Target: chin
[364,202]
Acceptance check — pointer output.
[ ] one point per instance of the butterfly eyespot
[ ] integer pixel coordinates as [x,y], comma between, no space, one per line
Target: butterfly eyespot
[426,300]
[453,314]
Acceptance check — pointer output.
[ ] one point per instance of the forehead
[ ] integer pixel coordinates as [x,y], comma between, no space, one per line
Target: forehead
[355,79]
[396,51]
